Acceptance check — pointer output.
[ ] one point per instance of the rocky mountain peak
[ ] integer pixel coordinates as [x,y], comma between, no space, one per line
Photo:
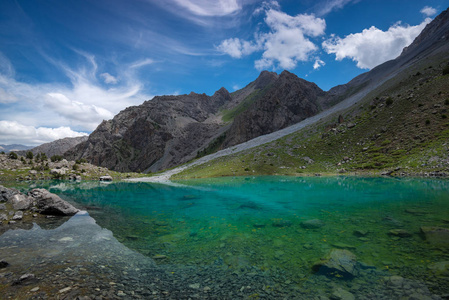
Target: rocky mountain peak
[265,78]
[435,32]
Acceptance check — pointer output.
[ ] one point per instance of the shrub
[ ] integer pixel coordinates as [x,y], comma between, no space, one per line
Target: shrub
[13,155]
[75,167]
[446,102]
[3,152]
[444,116]
[81,161]
[446,70]
[389,101]
[427,122]
[29,155]
[56,158]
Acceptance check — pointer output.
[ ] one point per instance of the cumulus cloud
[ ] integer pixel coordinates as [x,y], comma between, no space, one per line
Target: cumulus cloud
[318,64]
[237,48]
[373,46]
[12,132]
[428,11]
[287,43]
[210,8]
[108,78]
[80,113]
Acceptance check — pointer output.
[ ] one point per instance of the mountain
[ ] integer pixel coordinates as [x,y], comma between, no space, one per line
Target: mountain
[171,130]
[13,147]
[393,120]
[287,101]
[58,147]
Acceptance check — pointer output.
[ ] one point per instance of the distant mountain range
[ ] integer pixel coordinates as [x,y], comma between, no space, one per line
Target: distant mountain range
[58,147]
[13,147]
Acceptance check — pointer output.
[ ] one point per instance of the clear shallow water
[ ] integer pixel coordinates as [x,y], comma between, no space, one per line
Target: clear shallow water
[245,224]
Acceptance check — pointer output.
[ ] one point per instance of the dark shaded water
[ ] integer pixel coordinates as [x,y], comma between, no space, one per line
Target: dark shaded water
[248,227]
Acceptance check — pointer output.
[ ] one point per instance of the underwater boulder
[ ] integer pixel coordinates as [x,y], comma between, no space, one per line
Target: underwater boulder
[312,224]
[339,262]
[434,235]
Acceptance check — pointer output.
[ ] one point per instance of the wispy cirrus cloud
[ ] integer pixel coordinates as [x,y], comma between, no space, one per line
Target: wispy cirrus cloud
[325,7]
[76,108]
[210,8]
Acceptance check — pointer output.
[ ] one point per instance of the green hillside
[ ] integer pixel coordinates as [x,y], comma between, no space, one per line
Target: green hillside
[401,128]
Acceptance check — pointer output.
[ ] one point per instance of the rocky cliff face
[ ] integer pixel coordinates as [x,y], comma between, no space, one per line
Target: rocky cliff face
[158,134]
[287,101]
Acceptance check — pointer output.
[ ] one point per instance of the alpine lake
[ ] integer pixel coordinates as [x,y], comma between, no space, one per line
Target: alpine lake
[238,238]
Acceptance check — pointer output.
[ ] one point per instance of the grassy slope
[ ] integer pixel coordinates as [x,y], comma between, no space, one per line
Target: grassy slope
[403,124]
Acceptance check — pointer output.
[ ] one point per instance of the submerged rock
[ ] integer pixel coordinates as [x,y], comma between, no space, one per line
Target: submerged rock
[312,224]
[342,294]
[438,236]
[361,233]
[51,204]
[440,268]
[338,262]
[281,223]
[402,233]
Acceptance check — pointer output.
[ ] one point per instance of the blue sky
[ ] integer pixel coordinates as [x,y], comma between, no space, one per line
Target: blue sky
[67,65]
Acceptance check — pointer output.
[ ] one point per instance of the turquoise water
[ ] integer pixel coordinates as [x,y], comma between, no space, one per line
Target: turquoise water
[257,222]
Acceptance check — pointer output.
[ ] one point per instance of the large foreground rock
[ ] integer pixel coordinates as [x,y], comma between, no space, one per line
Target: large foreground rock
[21,202]
[51,204]
[338,262]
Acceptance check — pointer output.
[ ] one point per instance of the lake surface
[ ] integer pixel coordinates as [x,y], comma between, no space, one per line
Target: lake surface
[246,237]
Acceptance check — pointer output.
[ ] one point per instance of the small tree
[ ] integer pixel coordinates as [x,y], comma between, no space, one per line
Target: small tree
[3,152]
[13,155]
[29,155]
[43,157]
[56,158]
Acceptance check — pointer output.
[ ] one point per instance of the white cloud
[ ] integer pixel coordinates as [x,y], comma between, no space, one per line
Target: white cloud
[287,42]
[82,105]
[12,132]
[141,63]
[373,46]
[428,11]
[325,7]
[6,97]
[85,115]
[210,8]
[318,64]
[237,48]
[108,78]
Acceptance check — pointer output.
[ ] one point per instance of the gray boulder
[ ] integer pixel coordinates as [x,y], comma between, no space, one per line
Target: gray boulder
[51,204]
[106,178]
[6,193]
[21,202]
[337,262]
